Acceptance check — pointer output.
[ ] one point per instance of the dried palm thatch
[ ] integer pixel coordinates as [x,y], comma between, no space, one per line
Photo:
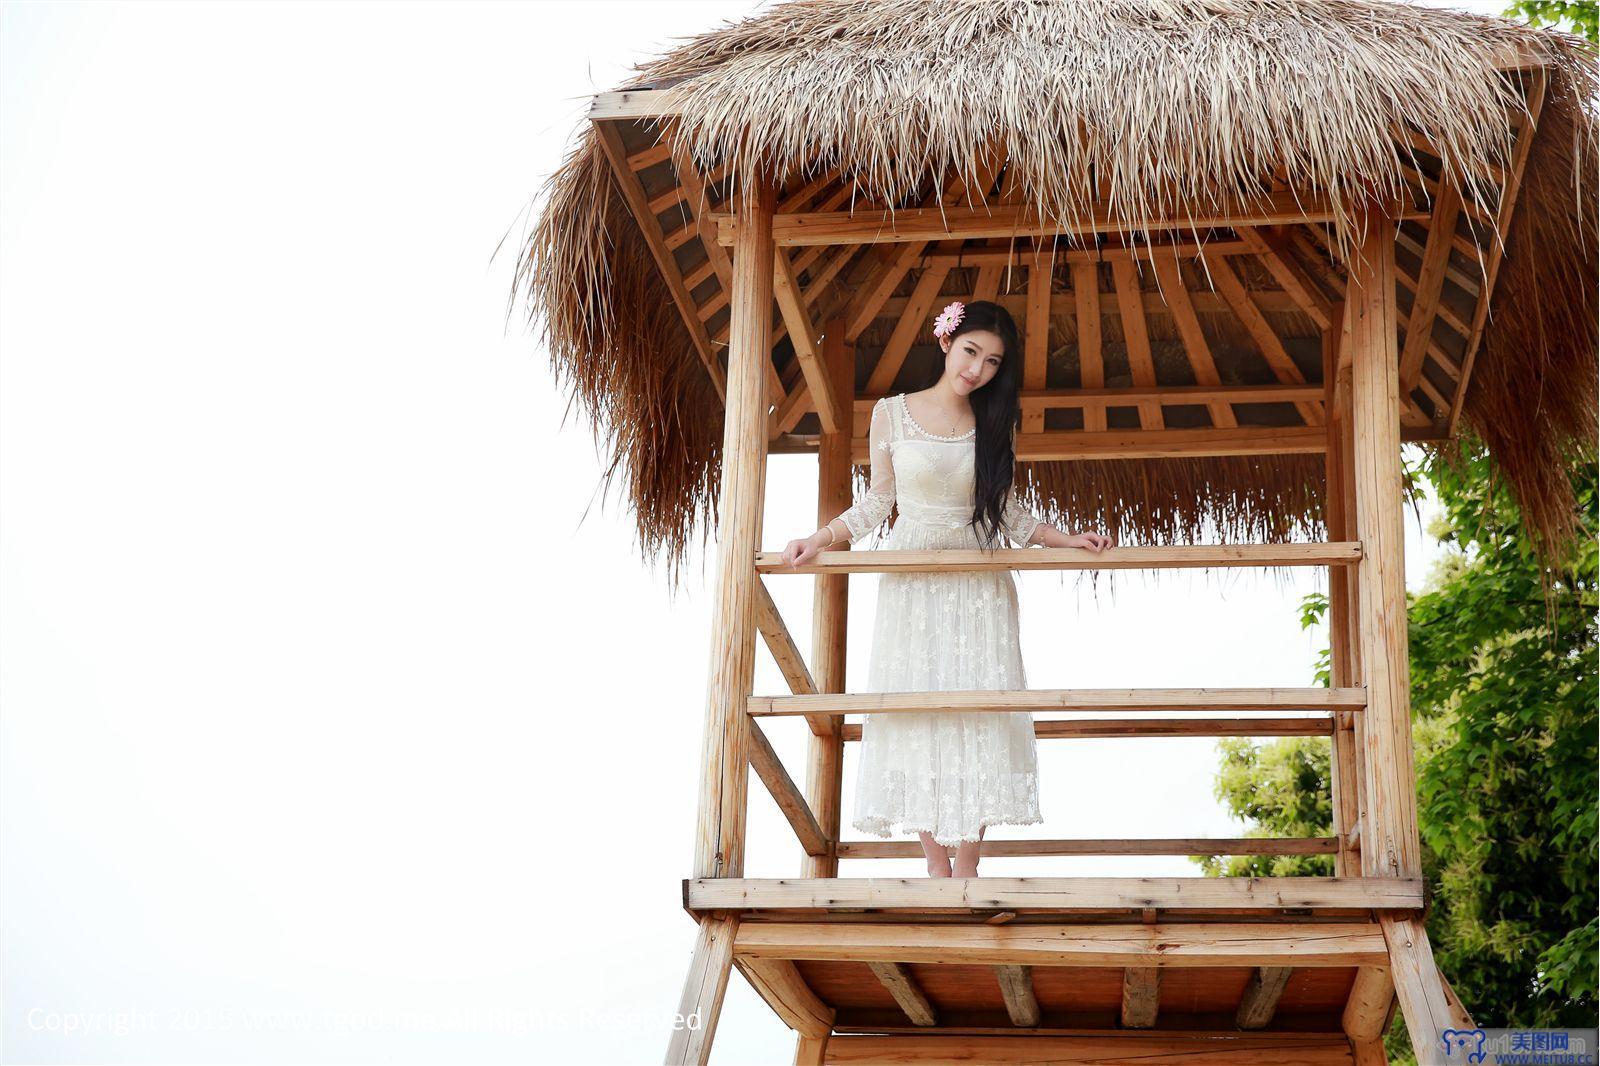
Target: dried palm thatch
[1159,106]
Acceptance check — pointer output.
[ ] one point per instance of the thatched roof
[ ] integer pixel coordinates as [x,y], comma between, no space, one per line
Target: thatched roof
[1116,111]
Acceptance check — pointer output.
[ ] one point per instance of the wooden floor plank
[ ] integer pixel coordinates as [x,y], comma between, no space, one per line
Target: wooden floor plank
[1054,893]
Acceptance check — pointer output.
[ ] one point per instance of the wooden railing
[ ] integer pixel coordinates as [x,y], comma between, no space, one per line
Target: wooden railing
[820,709]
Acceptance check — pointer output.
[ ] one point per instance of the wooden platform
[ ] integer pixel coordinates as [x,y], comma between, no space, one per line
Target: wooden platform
[1162,969]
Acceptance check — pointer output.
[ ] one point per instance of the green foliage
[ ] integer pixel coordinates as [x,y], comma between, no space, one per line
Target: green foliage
[1503,670]
[1284,788]
[1575,16]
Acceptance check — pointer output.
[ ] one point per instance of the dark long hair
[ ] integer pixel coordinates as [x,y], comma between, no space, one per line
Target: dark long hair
[997,412]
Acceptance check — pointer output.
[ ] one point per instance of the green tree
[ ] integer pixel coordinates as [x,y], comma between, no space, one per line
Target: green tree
[1574,16]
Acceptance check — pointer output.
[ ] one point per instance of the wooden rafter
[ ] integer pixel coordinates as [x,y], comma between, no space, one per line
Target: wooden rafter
[1136,334]
[1280,261]
[908,328]
[610,139]
[1194,339]
[1508,203]
[1429,284]
[1267,341]
[896,265]
[832,410]
[1091,361]
[1036,333]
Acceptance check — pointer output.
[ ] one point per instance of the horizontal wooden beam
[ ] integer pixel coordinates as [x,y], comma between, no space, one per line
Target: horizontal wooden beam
[1319,725]
[1162,944]
[1056,893]
[800,229]
[1057,445]
[1209,1048]
[911,849]
[1172,395]
[1161,557]
[998,701]
[807,443]
[1018,255]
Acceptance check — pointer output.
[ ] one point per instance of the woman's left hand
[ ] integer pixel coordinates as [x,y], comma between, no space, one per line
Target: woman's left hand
[1093,541]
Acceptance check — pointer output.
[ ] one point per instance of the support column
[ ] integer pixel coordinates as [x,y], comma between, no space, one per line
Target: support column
[1390,843]
[830,603]
[1344,765]
[724,760]
[1390,846]
[724,756]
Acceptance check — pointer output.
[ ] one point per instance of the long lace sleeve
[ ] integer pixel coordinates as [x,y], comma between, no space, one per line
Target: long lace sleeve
[1020,523]
[869,512]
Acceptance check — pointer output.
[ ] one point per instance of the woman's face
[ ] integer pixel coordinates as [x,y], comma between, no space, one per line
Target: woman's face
[972,359]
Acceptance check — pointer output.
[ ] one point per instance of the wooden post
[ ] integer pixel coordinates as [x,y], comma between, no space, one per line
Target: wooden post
[724,766]
[701,1003]
[1344,766]
[1390,843]
[830,602]
[724,756]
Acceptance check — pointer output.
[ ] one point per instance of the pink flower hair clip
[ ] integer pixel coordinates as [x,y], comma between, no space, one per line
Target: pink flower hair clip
[948,319]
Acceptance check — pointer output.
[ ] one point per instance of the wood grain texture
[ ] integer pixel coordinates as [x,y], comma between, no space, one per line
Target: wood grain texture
[724,761]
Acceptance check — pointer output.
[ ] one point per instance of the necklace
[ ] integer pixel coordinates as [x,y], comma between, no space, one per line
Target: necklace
[906,410]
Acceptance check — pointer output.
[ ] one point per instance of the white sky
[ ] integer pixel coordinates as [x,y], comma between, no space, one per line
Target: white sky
[334,729]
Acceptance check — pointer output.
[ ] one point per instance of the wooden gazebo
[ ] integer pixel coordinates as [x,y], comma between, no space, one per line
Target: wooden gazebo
[1254,246]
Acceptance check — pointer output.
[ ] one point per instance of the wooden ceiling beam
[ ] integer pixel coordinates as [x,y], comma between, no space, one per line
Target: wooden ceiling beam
[1016,988]
[903,987]
[959,223]
[1056,445]
[1021,254]
[1174,944]
[1261,995]
[1141,996]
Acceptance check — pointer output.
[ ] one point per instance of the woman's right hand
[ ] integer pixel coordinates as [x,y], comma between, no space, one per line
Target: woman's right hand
[802,551]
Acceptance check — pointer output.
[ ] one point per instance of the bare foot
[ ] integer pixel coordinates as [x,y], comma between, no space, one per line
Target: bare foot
[936,871]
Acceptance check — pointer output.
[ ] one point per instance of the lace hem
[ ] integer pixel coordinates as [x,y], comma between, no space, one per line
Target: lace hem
[880,826]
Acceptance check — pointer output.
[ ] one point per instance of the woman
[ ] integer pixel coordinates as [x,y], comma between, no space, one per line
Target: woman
[945,454]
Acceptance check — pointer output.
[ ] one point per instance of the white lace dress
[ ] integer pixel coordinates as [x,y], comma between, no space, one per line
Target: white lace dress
[945,774]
